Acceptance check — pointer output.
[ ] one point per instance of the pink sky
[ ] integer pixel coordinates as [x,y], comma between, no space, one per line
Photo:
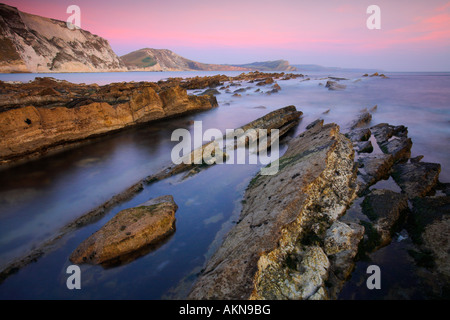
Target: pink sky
[414,35]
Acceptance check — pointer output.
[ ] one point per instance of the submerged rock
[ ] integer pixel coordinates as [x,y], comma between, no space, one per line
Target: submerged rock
[275,250]
[129,231]
[333,85]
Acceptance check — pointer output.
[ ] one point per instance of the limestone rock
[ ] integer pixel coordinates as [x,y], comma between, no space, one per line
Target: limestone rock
[282,216]
[128,231]
[362,120]
[416,179]
[373,168]
[384,209]
[49,121]
[359,134]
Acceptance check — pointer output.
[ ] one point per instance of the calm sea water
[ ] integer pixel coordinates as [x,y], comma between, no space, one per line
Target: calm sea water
[40,197]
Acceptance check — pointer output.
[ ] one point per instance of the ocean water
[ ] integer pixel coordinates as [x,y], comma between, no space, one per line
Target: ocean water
[40,197]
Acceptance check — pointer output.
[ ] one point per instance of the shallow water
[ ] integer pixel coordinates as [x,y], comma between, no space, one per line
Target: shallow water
[40,197]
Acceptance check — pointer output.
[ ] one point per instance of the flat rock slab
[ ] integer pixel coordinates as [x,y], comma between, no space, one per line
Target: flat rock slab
[260,258]
[416,179]
[129,231]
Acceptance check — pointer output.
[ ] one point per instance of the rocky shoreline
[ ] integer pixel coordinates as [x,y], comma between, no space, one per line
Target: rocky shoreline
[296,237]
[47,115]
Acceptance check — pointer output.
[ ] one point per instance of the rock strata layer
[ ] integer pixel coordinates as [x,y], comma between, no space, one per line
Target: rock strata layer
[34,122]
[276,251]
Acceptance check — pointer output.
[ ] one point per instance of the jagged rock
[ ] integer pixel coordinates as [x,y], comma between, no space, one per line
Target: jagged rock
[129,231]
[277,87]
[393,140]
[363,146]
[400,148]
[362,120]
[416,179]
[360,134]
[384,131]
[416,159]
[315,123]
[384,209]
[281,219]
[373,168]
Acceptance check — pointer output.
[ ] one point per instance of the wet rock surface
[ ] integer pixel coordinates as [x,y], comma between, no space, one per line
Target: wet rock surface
[384,209]
[129,231]
[416,179]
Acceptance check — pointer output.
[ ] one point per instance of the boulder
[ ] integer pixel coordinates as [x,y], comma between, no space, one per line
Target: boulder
[129,231]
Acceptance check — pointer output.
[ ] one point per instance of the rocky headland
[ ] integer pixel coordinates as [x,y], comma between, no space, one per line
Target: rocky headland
[31,43]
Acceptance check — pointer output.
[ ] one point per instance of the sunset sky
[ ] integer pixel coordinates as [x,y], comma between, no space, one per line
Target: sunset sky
[414,35]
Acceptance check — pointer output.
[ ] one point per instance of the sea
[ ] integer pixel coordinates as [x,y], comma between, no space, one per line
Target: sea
[40,197]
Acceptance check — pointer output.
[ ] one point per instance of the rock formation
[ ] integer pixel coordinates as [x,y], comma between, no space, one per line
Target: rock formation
[128,232]
[274,251]
[47,113]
